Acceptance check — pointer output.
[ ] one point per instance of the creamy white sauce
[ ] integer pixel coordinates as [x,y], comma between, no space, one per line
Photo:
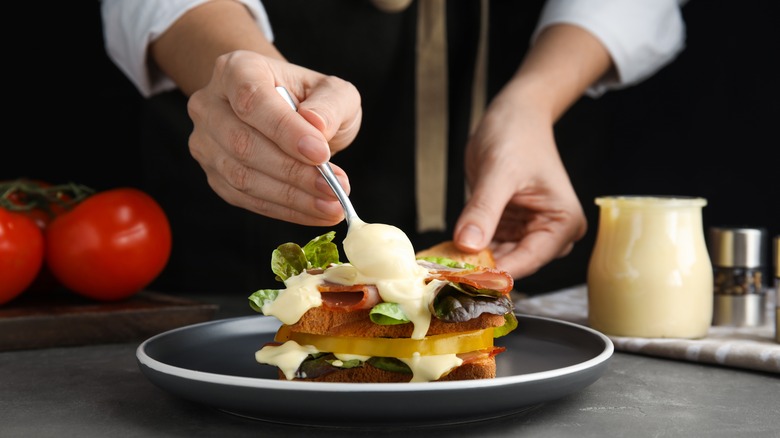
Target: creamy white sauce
[380,251]
[384,255]
[650,274]
[300,295]
[427,368]
[287,357]
[348,357]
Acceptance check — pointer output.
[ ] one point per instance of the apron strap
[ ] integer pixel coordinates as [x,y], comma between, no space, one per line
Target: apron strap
[431,116]
[431,104]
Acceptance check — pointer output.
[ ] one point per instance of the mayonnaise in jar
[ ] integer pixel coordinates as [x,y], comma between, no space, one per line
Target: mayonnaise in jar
[650,273]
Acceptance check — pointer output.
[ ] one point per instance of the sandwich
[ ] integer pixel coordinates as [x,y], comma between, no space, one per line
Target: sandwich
[387,315]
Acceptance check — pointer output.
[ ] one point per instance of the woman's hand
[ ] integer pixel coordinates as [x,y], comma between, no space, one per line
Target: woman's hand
[519,189]
[257,152]
[522,202]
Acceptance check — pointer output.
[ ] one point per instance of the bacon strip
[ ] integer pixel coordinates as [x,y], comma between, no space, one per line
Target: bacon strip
[480,278]
[365,296]
[349,298]
[474,356]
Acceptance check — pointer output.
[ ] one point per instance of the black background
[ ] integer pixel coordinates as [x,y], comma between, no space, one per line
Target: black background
[706,125]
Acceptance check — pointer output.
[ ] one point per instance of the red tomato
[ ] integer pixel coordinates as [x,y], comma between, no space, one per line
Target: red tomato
[21,253]
[110,246]
[41,201]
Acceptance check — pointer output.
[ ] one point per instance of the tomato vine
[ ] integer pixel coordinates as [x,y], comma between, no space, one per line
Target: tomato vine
[41,200]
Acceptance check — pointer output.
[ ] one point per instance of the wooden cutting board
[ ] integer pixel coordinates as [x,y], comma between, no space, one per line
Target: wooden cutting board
[60,319]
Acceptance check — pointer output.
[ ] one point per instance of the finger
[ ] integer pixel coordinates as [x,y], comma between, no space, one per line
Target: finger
[266,174]
[527,256]
[265,194]
[480,216]
[547,236]
[254,99]
[256,168]
[283,202]
[324,187]
[334,108]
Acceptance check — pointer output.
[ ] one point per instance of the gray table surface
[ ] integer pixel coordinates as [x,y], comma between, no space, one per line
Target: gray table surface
[99,391]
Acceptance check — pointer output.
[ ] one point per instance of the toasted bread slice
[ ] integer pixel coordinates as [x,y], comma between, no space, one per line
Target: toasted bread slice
[322,321]
[448,249]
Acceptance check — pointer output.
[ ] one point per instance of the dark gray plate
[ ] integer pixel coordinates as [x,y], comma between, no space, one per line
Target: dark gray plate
[213,363]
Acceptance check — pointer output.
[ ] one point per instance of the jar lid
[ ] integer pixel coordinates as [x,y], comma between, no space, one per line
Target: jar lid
[737,247]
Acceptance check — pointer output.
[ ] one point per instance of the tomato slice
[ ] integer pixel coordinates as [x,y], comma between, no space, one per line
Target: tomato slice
[454,343]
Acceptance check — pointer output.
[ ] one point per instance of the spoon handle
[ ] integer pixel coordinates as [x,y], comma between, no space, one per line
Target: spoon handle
[327,171]
[346,204]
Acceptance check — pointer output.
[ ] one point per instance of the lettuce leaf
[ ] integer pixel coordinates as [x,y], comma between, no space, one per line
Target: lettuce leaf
[320,364]
[388,314]
[510,323]
[259,298]
[289,259]
[321,252]
[448,262]
[389,364]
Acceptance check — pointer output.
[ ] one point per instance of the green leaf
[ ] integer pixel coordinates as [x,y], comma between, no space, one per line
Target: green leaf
[510,323]
[448,262]
[321,252]
[288,260]
[352,363]
[388,314]
[258,299]
[389,364]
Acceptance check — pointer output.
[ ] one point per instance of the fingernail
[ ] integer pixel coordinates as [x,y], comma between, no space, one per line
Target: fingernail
[314,149]
[471,236]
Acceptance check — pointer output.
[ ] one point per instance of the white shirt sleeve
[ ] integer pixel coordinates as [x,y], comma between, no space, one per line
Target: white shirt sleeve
[642,36]
[130,26]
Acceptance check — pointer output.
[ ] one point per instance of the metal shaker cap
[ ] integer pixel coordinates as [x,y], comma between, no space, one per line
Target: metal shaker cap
[737,247]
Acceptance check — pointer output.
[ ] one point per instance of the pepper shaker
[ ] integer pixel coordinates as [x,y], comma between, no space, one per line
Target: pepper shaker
[777,287]
[738,263]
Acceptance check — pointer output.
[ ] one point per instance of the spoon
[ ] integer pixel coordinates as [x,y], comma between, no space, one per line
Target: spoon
[327,172]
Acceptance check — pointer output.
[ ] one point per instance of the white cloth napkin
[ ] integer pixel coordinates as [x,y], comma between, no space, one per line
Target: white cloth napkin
[739,347]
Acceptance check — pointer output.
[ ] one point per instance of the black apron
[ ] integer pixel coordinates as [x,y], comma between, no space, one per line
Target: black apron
[221,248]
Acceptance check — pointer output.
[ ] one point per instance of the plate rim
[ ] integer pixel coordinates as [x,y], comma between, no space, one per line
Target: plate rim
[277,384]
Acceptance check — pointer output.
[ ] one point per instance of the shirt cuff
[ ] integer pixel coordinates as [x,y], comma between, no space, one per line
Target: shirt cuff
[129,27]
[641,36]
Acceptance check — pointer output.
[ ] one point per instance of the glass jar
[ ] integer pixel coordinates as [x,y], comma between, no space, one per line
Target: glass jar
[650,274]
